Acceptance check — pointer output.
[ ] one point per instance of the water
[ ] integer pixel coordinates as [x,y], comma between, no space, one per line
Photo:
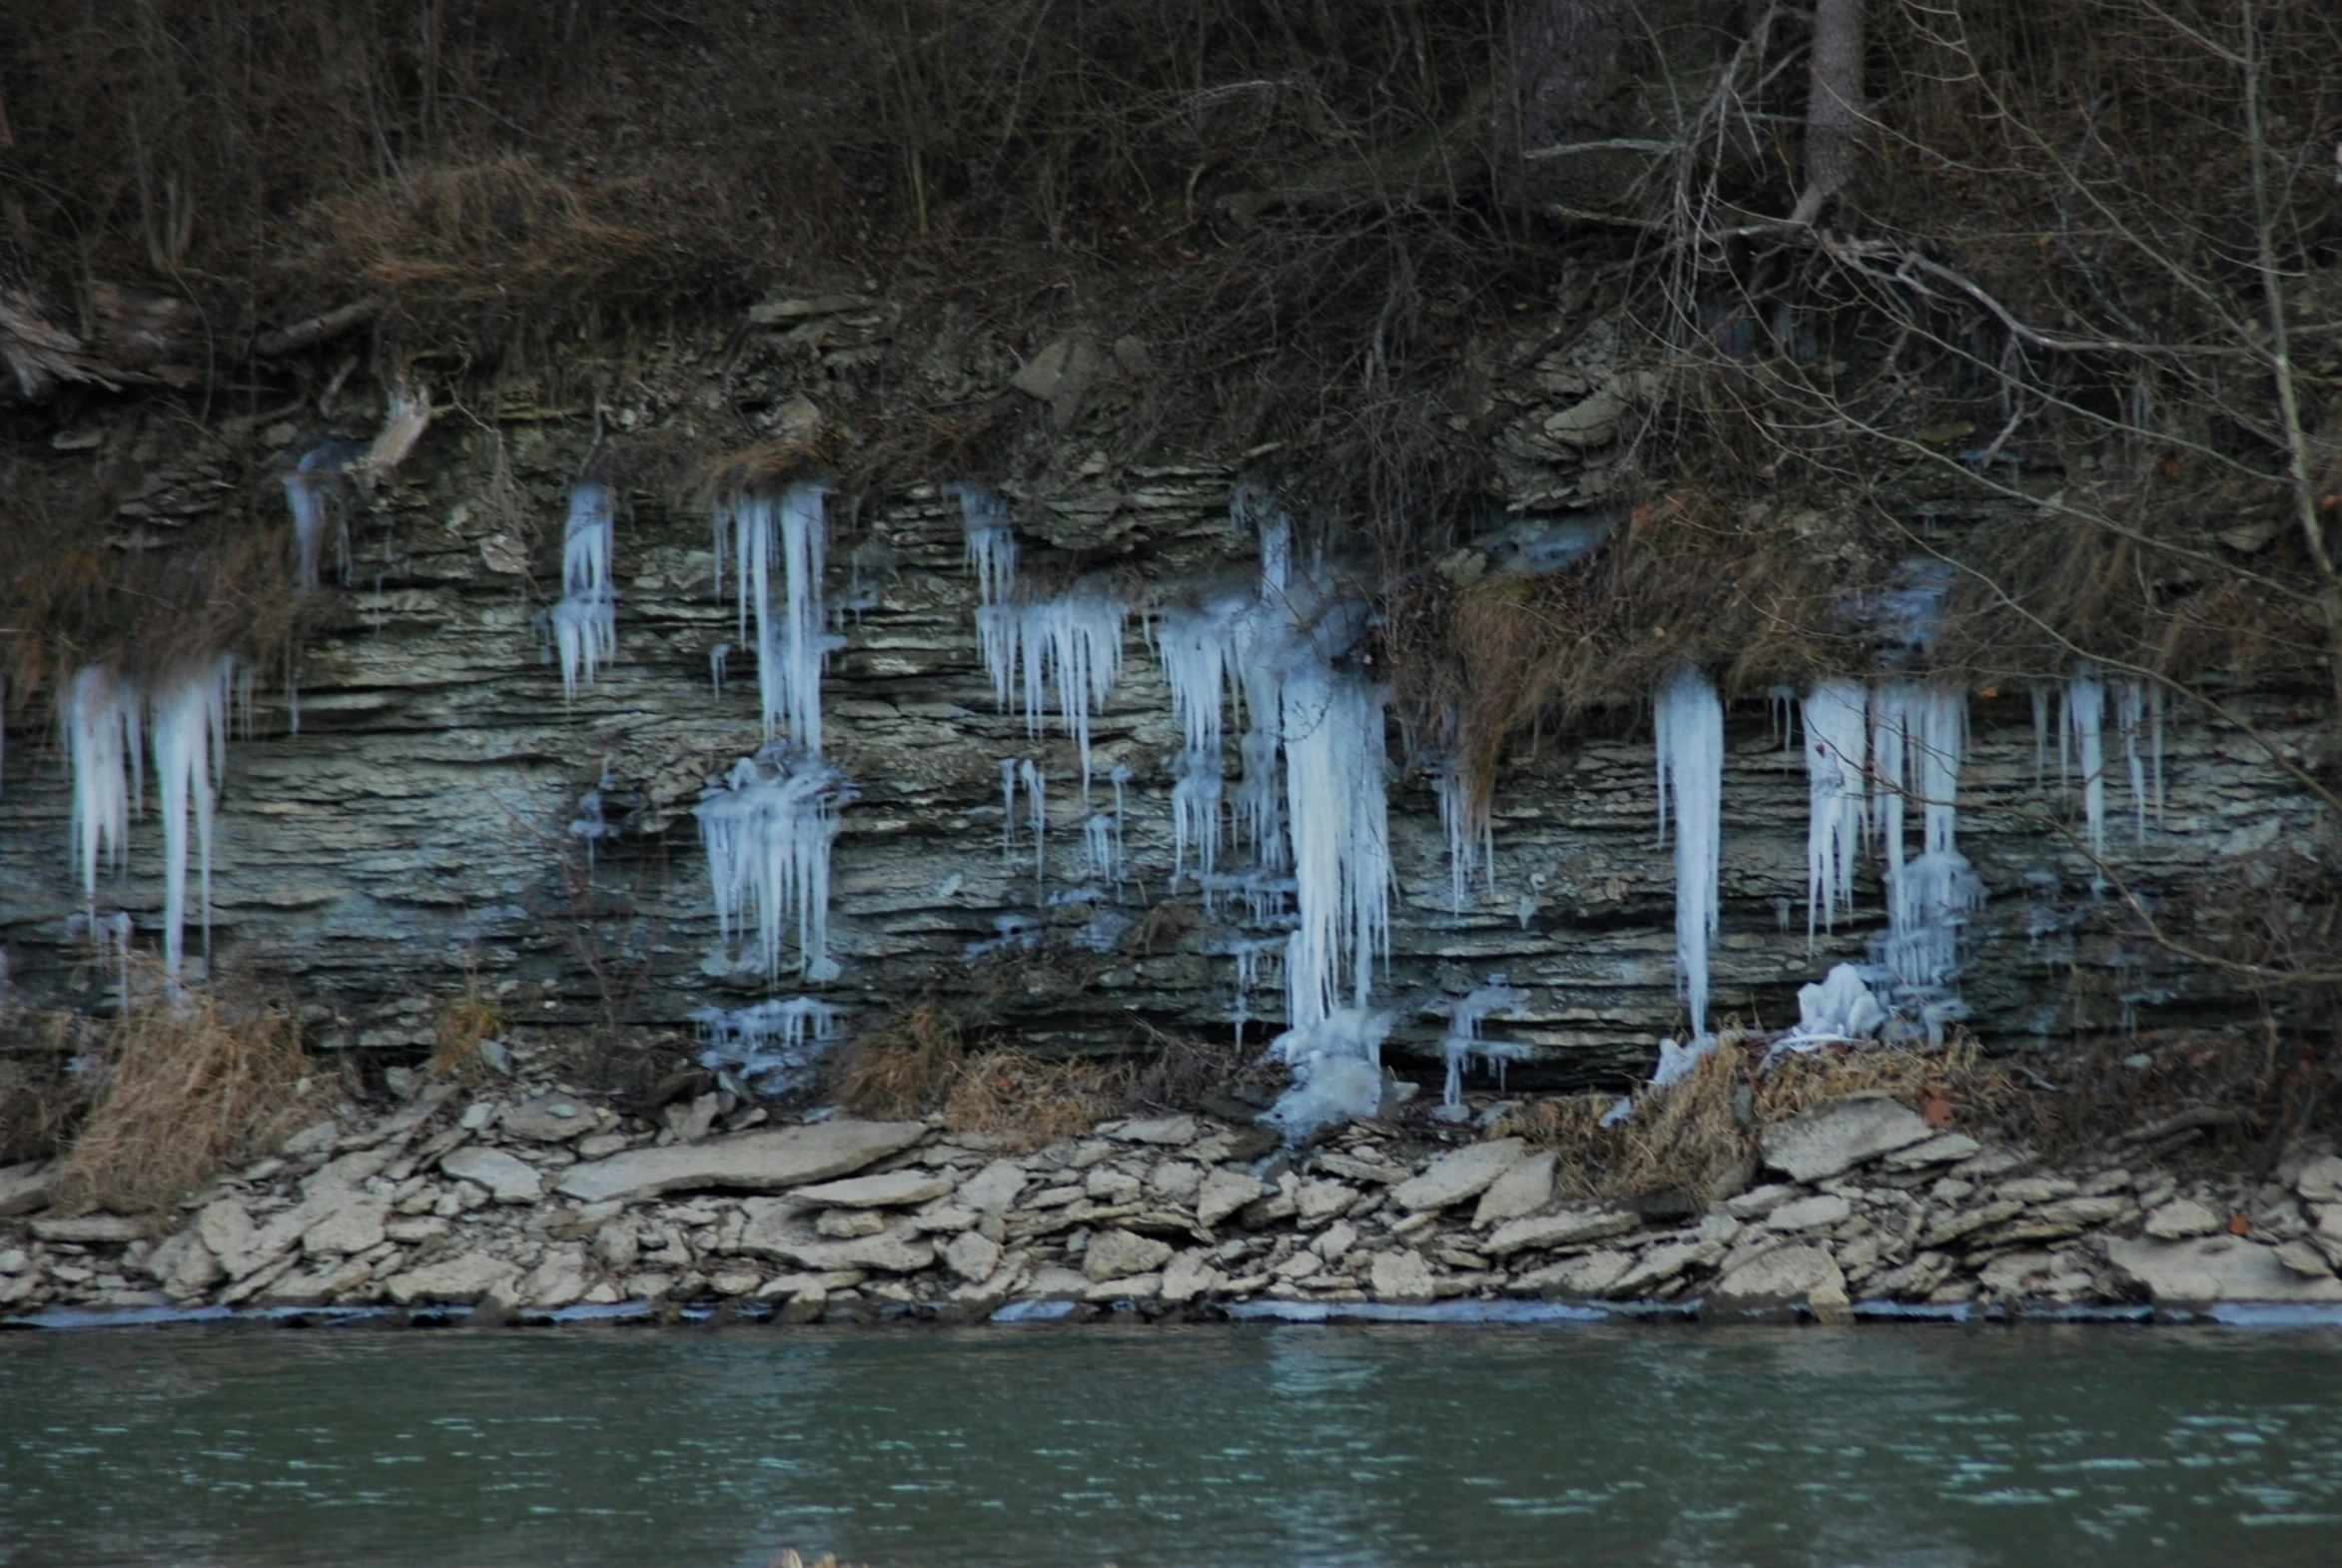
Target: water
[1910,1446]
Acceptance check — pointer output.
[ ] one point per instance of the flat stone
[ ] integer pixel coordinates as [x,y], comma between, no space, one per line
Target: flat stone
[1127,1288]
[2305,1261]
[1809,1213]
[506,1177]
[25,1187]
[765,1160]
[352,1225]
[1949,1149]
[558,1279]
[1587,1275]
[995,1187]
[1167,1131]
[2214,1268]
[1460,1174]
[891,1252]
[1188,1276]
[1835,1138]
[1566,1228]
[1786,1276]
[1314,1203]
[1660,1264]
[1401,1278]
[1757,1202]
[457,1281]
[2180,1219]
[1222,1194]
[91,1230]
[1175,1181]
[1525,1189]
[549,1118]
[971,1255]
[2320,1180]
[1055,1284]
[2014,1273]
[841,1224]
[1112,1254]
[895,1190]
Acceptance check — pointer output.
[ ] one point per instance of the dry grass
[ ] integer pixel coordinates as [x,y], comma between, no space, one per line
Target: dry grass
[186,1085]
[916,1061]
[41,1103]
[465,1022]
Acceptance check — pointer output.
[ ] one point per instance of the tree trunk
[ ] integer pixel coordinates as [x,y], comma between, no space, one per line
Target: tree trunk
[1834,105]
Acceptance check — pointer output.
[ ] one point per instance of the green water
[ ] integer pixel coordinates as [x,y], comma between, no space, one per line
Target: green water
[1925,1446]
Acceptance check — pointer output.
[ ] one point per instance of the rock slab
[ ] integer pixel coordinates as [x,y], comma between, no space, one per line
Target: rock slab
[2208,1270]
[1837,1138]
[765,1160]
[1459,1173]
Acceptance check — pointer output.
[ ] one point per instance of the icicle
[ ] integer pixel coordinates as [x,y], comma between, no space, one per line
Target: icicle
[588,825]
[1119,778]
[773,1046]
[1690,745]
[1338,1070]
[190,733]
[1338,820]
[1007,810]
[717,657]
[1891,705]
[1837,740]
[1097,846]
[992,543]
[1463,1040]
[1036,783]
[1471,836]
[1195,812]
[768,829]
[101,723]
[1930,898]
[792,644]
[2130,716]
[314,495]
[2041,734]
[2155,720]
[2085,719]
[1070,647]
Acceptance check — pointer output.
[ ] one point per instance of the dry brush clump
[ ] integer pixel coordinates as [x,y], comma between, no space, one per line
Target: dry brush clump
[916,1060]
[184,1084]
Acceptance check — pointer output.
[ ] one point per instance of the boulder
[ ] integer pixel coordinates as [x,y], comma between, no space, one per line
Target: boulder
[352,1223]
[2207,1269]
[2180,1219]
[549,1118]
[895,1190]
[24,1189]
[1114,1254]
[458,1280]
[1222,1194]
[1785,1276]
[1401,1278]
[506,1177]
[1821,1143]
[1525,1189]
[1566,1228]
[2305,1261]
[765,1160]
[973,1257]
[1460,1174]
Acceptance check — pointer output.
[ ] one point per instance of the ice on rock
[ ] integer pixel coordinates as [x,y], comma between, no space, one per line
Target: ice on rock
[1463,1041]
[2085,728]
[102,728]
[1035,794]
[585,621]
[190,741]
[768,829]
[1336,1063]
[1676,1062]
[774,1047]
[316,495]
[1837,741]
[1688,728]
[1337,819]
[1007,809]
[992,543]
[1069,647]
[1471,836]
[1196,813]
[1922,733]
[589,826]
[1841,1007]
[780,544]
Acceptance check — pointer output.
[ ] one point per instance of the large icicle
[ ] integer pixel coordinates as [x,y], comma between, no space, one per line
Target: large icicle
[585,621]
[792,643]
[190,741]
[2086,724]
[101,723]
[1689,724]
[768,829]
[1069,647]
[1338,821]
[1930,898]
[1837,741]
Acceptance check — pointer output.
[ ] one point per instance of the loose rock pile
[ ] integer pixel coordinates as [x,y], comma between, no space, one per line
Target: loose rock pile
[545,1201]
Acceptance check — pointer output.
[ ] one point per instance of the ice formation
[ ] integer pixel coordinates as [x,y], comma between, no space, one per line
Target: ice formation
[992,543]
[1007,809]
[1841,1007]
[191,745]
[585,621]
[1837,741]
[1463,1041]
[102,727]
[1336,1062]
[314,494]
[589,826]
[1069,647]
[773,1046]
[2085,730]
[792,643]
[1677,1060]
[1471,836]
[1921,735]
[1036,785]
[1688,728]
[717,656]
[1337,819]
[768,828]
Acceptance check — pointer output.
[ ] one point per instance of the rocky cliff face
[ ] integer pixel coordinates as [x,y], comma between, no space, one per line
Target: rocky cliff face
[414,832]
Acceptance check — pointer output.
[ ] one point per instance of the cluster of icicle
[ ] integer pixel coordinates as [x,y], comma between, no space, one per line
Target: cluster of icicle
[769,824]
[2083,703]
[585,621]
[773,1046]
[184,720]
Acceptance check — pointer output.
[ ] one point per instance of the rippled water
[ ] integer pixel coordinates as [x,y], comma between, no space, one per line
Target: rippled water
[1924,1446]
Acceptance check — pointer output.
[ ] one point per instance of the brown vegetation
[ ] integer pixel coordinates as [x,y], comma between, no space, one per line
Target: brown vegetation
[915,1062]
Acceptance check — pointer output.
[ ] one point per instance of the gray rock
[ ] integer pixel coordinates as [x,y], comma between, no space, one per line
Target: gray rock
[895,1190]
[1662,1264]
[24,1189]
[1114,1254]
[2180,1219]
[1222,1194]
[891,1252]
[2014,1273]
[1188,1276]
[558,1279]
[1175,1181]
[2214,1268]
[1757,1202]
[973,1257]
[549,1118]
[767,1160]
[1401,1278]
[843,1224]
[89,1230]
[1786,1276]
[1314,1203]
[2305,1261]
[1525,1189]
[1949,1149]
[1167,1131]
[993,1188]
[1566,1228]
[1587,1275]
[352,1223]
[506,1177]
[1809,1213]
[457,1281]
[2320,1180]
[1835,1138]
[1460,1174]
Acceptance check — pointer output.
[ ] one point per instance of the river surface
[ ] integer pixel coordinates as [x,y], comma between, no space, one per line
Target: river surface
[1919,1446]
